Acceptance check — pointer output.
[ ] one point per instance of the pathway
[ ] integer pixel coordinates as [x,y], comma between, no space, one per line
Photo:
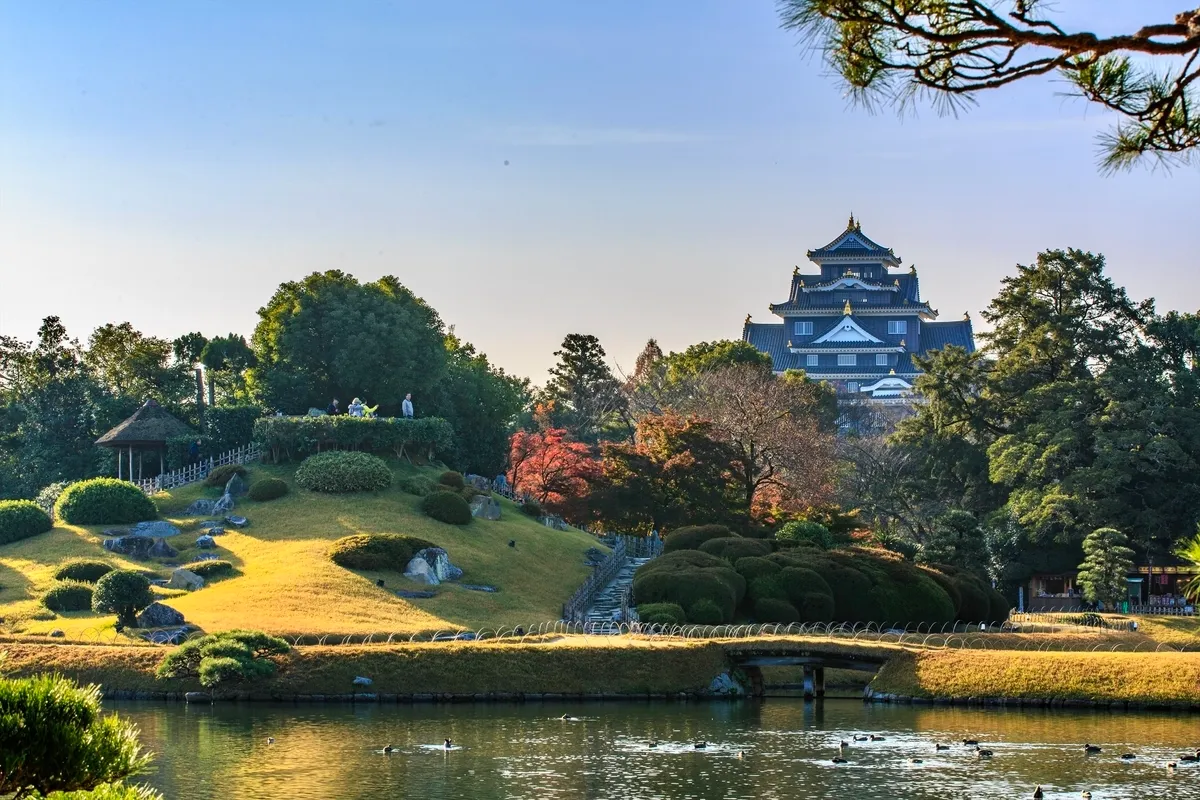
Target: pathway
[607,604]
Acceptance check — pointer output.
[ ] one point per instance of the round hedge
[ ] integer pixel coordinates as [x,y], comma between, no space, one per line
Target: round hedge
[661,614]
[104,501]
[998,607]
[706,612]
[805,532]
[733,548]
[753,567]
[692,536]
[418,485]
[88,570]
[531,508]
[687,577]
[453,479]
[342,471]
[20,519]
[376,551]
[68,596]
[267,489]
[214,568]
[221,475]
[447,507]
[122,592]
[771,610]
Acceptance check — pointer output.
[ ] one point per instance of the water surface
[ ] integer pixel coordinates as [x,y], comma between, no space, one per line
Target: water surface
[221,752]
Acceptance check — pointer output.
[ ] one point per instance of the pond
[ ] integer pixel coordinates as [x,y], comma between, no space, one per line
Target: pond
[222,752]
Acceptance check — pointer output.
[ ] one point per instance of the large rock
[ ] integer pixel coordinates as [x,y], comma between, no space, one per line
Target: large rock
[421,571]
[725,684]
[160,549]
[200,508]
[133,546]
[157,529]
[206,542]
[556,522]
[224,505]
[479,482]
[236,486]
[485,507]
[156,615]
[185,579]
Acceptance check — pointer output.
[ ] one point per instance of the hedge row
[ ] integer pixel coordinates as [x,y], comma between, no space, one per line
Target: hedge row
[343,471]
[292,437]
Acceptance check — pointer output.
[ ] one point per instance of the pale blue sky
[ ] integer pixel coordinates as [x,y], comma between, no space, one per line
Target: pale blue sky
[669,162]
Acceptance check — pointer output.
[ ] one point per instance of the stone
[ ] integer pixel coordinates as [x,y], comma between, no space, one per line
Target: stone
[216,530]
[237,522]
[485,507]
[420,570]
[133,546]
[185,579]
[157,529]
[57,633]
[160,549]
[209,523]
[157,615]
[479,587]
[197,697]
[206,542]
[439,560]
[224,505]
[556,522]
[207,557]
[725,684]
[479,482]
[361,681]
[593,557]
[236,486]
[409,594]
[200,508]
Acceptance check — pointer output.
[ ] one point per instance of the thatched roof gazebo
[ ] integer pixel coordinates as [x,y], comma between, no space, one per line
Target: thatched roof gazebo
[148,429]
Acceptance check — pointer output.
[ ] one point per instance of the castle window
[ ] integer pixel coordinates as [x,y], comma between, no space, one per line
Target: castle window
[852,387]
[897,327]
[847,360]
[813,359]
[803,329]
[881,360]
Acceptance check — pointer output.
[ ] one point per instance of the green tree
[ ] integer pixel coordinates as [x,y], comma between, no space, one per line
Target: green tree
[710,356]
[956,539]
[122,592]
[330,336]
[129,364]
[1107,561]
[895,51]
[583,394]
[1190,551]
[226,360]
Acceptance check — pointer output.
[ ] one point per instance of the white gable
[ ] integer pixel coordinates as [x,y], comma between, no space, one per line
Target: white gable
[846,331]
[891,384]
[850,240]
[852,283]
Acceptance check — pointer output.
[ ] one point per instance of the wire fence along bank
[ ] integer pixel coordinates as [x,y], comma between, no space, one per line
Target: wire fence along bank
[949,635]
[200,470]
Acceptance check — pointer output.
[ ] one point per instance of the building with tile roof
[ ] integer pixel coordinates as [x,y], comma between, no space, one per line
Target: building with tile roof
[856,324]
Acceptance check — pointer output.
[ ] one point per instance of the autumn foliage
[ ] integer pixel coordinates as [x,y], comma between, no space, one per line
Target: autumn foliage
[556,471]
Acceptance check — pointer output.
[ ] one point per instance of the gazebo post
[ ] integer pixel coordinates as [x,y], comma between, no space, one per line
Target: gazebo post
[140,454]
[131,463]
[162,466]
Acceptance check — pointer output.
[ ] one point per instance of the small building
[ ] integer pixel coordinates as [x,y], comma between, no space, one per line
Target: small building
[856,324]
[149,429]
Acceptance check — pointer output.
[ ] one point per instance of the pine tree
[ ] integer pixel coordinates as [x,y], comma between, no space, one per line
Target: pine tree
[1107,560]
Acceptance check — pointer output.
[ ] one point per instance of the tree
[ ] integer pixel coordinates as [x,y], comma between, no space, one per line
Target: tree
[122,592]
[551,468]
[1190,551]
[1107,561]
[957,539]
[54,737]
[129,364]
[895,51]
[330,336]
[226,360]
[584,394]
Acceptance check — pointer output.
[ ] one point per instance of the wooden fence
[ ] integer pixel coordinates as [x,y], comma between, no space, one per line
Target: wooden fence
[199,471]
[625,548]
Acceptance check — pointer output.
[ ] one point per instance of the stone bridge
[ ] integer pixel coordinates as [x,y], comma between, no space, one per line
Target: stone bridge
[751,657]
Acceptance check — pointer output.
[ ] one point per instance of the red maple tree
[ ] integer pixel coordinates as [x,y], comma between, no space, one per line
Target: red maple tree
[551,468]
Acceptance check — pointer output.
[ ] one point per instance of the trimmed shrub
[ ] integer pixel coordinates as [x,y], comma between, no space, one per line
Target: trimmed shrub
[661,614]
[224,658]
[122,592]
[453,479]
[221,475]
[291,437]
[267,489]
[215,568]
[447,507]
[733,548]
[767,587]
[418,485]
[20,519]
[531,508]
[88,570]
[809,593]
[998,607]
[340,472]
[753,567]
[771,610]
[706,612]
[815,607]
[104,501]
[805,532]
[68,596]
[691,537]
[376,551]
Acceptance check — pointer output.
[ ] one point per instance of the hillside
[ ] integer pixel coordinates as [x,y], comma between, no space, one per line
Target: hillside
[285,583]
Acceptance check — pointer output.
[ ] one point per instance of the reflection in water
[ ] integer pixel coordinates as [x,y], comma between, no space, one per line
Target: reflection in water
[778,749]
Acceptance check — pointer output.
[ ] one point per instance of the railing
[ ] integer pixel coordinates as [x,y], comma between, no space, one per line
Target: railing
[1168,611]
[575,609]
[200,470]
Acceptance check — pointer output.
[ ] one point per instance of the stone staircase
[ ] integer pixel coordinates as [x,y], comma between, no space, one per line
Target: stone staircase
[607,605]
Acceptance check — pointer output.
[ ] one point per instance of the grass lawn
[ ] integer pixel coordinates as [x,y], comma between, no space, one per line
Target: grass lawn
[285,584]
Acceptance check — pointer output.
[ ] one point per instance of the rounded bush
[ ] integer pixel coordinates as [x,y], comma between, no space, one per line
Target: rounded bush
[418,485]
[88,570]
[341,471]
[267,489]
[805,532]
[815,607]
[733,548]
[685,588]
[68,596]
[998,607]
[452,479]
[767,587]
[446,507]
[661,614]
[752,567]
[122,592]
[216,568]
[691,537]
[104,501]
[771,610]
[221,475]
[20,519]
[531,508]
[376,551]
[706,612]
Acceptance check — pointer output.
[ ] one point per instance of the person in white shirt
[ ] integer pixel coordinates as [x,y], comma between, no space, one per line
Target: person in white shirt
[406,408]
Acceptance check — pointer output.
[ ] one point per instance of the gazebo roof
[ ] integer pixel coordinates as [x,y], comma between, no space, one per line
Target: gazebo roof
[150,425]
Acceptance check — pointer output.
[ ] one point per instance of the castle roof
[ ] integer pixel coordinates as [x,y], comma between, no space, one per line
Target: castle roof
[853,245]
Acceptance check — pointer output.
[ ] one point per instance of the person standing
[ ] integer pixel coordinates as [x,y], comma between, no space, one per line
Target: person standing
[406,408]
[333,409]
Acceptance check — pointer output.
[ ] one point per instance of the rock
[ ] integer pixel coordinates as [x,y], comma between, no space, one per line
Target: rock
[479,587]
[236,486]
[200,508]
[132,546]
[116,532]
[206,542]
[439,559]
[197,697]
[361,681]
[209,523]
[479,482]
[593,556]
[57,633]
[724,684]
[207,557]
[409,594]
[185,579]
[556,522]
[237,522]
[157,615]
[421,571]
[485,507]
[216,530]
[156,529]
[160,549]
[224,505]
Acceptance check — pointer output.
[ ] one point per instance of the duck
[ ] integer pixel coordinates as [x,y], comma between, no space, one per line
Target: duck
[740,754]
[981,753]
[653,745]
[1191,758]
[699,745]
[1037,791]
[971,742]
[1128,756]
[915,761]
[1170,766]
[1091,748]
[937,747]
[447,745]
[838,760]
[861,738]
[844,744]
[875,738]
[270,740]
[387,748]
[1086,795]
[569,718]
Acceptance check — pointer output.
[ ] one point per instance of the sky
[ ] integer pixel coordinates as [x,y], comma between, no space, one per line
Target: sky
[531,169]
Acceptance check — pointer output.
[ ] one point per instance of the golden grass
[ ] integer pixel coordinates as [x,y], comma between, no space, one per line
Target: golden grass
[288,586]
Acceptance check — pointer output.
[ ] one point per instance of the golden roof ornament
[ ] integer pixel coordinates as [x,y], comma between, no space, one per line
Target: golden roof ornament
[912,270]
[903,343]
[858,225]
[850,224]
[891,372]
[747,322]
[897,281]
[795,271]
[802,281]
[847,310]
[967,316]
[790,345]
